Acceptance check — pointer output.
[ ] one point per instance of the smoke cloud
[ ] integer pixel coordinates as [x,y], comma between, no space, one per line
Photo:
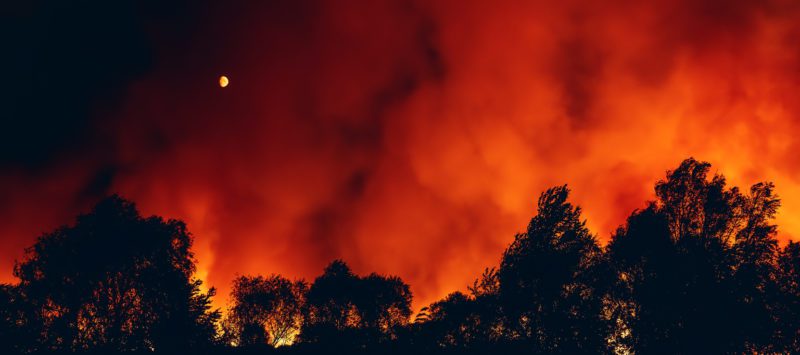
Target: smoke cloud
[405,137]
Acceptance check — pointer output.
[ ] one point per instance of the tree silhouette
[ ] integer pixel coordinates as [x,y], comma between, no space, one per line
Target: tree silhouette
[694,268]
[331,309]
[351,311]
[755,285]
[384,303]
[453,322]
[116,281]
[647,295]
[547,279]
[265,310]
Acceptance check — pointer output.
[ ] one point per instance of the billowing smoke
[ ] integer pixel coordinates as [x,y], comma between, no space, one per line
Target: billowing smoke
[405,137]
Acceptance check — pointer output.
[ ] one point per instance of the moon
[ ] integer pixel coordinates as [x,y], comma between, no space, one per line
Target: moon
[223,81]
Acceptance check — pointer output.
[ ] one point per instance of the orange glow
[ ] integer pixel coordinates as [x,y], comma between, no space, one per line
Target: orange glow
[414,139]
[223,81]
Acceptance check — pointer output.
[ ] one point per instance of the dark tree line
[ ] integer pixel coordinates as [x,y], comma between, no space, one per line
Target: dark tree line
[697,270]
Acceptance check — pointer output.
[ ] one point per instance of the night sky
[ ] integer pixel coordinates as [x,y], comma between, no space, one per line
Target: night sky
[405,137]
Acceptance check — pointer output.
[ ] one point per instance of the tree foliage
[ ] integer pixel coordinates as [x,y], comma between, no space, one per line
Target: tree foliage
[116,281]
[695,268]
[546,280]
[265,310]
[345,308]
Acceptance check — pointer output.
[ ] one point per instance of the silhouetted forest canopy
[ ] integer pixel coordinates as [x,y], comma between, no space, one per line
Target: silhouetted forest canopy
[697,270]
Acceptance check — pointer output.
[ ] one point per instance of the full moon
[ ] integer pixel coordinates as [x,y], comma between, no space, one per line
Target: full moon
[223,81]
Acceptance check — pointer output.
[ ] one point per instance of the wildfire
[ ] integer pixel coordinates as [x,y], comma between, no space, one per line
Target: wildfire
[412,138]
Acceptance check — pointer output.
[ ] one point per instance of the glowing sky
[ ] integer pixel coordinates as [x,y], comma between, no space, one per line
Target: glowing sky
[405,137]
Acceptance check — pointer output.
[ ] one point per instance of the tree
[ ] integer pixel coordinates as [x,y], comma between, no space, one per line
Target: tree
[646,295]
[331,309]
[384,303]
[265,310]
[694,267]
[116,281]
[547,281]
[454,322]
[347,310]
[754,271]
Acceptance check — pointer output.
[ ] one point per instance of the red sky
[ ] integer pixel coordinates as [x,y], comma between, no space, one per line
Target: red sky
[413,137]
